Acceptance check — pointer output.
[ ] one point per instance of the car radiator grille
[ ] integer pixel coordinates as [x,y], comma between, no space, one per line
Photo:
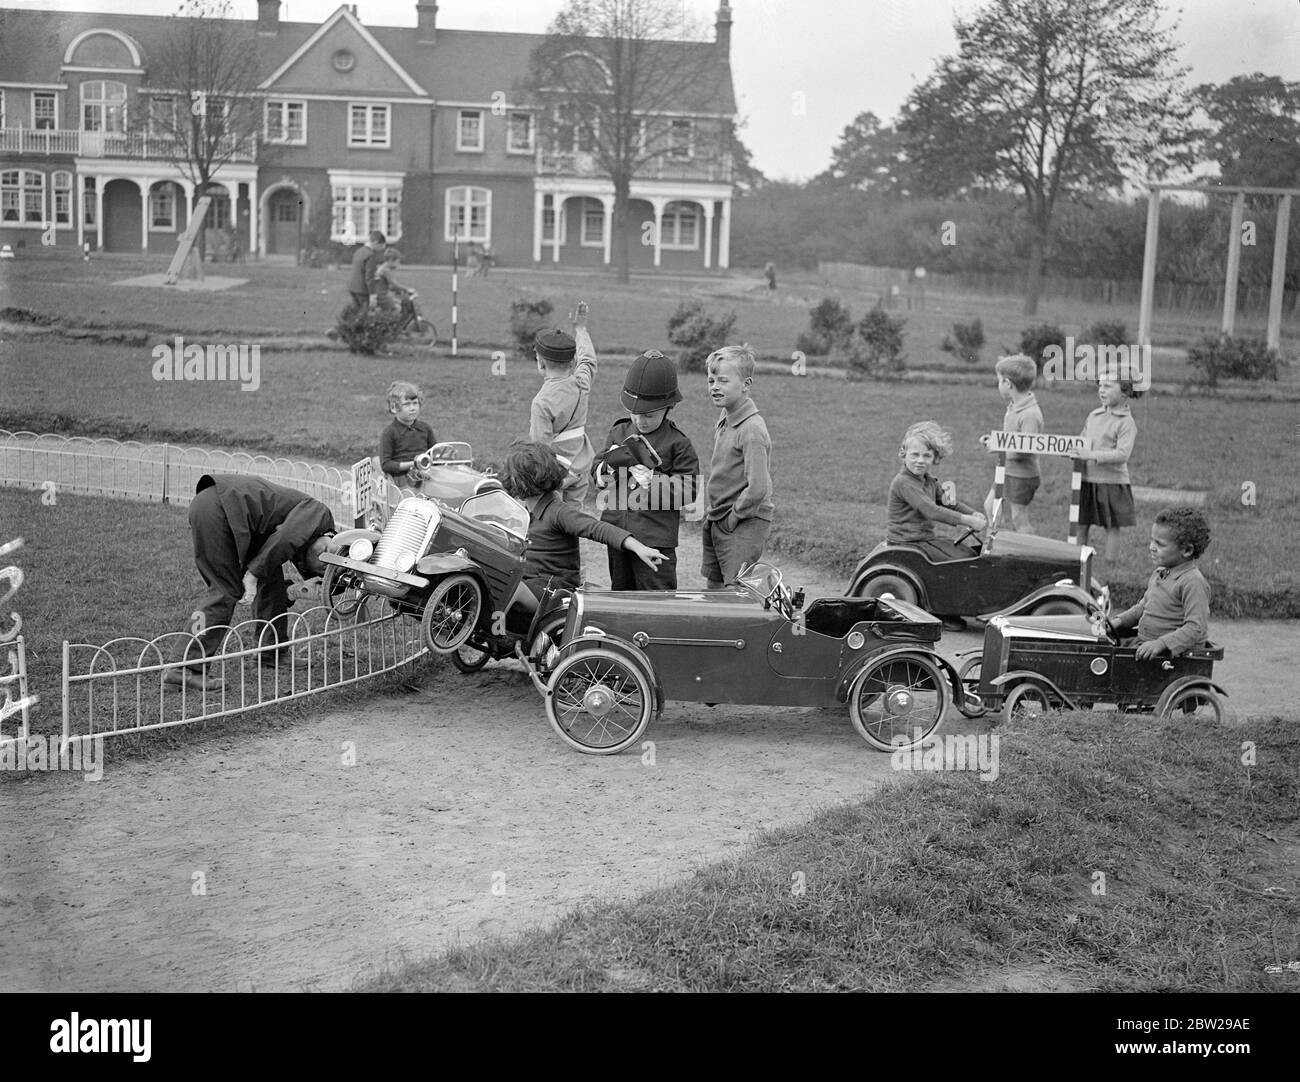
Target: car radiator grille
[407,532]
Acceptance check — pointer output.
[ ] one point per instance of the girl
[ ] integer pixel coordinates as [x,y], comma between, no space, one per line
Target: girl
[1106,498]
[915,500]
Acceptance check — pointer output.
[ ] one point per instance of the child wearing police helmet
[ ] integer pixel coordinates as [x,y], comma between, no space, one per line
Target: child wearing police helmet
[648,474]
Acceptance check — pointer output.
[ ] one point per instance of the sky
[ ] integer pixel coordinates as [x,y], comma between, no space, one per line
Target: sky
[805,68]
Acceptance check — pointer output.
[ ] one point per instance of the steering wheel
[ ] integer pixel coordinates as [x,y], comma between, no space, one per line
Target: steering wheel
[968,532]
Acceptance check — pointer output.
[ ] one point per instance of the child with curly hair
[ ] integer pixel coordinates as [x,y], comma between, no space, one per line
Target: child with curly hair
[1174,614]
[916,501]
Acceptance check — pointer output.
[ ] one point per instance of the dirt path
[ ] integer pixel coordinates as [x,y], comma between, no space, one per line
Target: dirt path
[463,815]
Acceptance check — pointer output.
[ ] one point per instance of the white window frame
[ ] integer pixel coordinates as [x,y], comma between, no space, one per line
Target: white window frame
[670,233]
[463,115]
[678,152]
[23,185]
[564,113]
[167,190]
[463,195]
[283,106]
[590,209]
[221,211]
[369,139]
[154,107]
[106,105]
[557,215]
[360,204]
[511,148]
[53,97]
[61,186]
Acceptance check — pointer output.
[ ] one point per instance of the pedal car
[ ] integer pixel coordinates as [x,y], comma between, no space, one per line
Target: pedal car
[1031,664]
[624,653]
[1011,573]
[447,474]
[459,571]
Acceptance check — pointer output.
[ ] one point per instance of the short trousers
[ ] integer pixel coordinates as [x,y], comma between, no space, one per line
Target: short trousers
[726,552]
[1106,505]
[627,572]
[1019,490]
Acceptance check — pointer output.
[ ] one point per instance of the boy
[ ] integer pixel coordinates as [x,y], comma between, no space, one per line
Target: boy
[1016,375]
[740,507]
[405,438]
[643,500]
[559,414]
[1174,614]
[388,292]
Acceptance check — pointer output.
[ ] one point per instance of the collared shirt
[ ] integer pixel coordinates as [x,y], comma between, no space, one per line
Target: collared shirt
[559,414]
[1112,432]
[1022,416]
[914,508]
[1175,610]
[740,472]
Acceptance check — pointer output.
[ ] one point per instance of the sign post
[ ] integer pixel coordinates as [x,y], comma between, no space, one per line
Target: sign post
[186,259]
[1040,443]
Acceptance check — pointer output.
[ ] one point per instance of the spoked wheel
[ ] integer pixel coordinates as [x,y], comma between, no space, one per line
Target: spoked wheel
[968,676]
[451,613]
[423,332]
[345,600]
[469,657]
[1195,704]
[894,586]
[599,702]
[897,702]
[1025,702]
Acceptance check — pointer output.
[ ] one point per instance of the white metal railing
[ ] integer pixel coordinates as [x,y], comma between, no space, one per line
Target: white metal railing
[584,164]
[105,144]
[16,680]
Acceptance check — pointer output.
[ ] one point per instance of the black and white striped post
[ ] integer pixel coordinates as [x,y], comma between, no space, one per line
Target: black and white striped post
[1076,487]
[455,283]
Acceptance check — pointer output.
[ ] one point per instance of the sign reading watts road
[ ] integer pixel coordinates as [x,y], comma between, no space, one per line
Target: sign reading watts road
[1036,443]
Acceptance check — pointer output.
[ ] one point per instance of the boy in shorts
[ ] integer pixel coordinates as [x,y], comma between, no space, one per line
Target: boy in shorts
[1016,375]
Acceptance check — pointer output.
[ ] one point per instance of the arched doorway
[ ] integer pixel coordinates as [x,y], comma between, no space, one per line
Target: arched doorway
[122,216]
[285,220]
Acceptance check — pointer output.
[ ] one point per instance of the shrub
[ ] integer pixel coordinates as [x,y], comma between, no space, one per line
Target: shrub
[1035,340]
[970,340]
[1226,357]
[698,332]
[527,317]
[877,341]
[830,328]
[1106,333]
[371,331]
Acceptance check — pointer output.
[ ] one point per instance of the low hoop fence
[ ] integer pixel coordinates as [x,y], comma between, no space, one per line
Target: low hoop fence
[133,685]
[15,680]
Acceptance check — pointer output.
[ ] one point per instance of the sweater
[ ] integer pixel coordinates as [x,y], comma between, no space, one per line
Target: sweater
[914,508]
[553,532]
[740,474]
[1174,611]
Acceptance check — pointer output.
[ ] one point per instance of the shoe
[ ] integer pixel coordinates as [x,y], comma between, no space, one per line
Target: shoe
[175,679]
[954,623]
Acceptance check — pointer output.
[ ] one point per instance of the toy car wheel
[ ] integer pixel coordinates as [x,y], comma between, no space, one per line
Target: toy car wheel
[343,599]
[451,613]
[894,586]
[599,702]
[1058,607]
[469,657]
[424,332]
[1195,704]
[1024,702]
[968,676]
[896,702]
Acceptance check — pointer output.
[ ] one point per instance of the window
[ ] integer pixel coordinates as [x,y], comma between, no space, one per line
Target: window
[681,226]
[519,134]
[22,197]
[286,122]
[218,216]
[103,106]
[548,224]
[469,214]
[62,183]
[45,110]
[162,208]
[361,208]
[368,126]
[162,115]
[593,224]
[681,140]
[575,130]
[88,196]
[469,130]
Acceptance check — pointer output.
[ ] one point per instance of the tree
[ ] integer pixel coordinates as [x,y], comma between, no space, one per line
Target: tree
[204,104]
[747,177]
[870,158]
[1051,98]
[1256,130]
[610,77]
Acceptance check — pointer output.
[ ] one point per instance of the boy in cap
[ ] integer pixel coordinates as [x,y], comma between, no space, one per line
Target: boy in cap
[646,498]
[559,414]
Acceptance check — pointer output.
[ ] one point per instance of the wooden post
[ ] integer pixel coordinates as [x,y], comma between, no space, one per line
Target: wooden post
[1277,282]
[1149,268]
[1233,271]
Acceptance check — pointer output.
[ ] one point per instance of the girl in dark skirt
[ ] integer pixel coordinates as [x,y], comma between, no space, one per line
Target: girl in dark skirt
[1106,498]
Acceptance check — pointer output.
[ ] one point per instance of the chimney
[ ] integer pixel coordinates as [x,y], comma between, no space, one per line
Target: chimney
[723,27]
[268,16]
[426,18]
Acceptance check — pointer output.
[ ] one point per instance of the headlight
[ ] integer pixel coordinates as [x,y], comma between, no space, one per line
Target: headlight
[361,550]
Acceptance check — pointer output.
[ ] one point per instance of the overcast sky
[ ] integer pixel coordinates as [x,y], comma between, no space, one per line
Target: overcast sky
[805,68]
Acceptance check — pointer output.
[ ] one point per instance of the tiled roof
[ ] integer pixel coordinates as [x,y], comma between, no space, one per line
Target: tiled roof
[463,65]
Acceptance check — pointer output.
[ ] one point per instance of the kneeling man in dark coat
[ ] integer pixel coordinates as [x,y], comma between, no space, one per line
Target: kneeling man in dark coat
[244,530]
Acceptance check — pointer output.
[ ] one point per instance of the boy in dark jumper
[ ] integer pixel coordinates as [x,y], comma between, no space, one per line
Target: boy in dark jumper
[405,438]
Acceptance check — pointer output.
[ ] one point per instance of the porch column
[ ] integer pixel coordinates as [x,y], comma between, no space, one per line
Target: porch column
[708,233]
[254,247]
[143,183]
[539,220]
[79,205]
[99,213]
[659,205]
[724,235]
[607,201]
[557,203]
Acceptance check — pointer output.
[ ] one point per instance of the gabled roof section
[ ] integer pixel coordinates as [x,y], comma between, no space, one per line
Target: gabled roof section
[333,32]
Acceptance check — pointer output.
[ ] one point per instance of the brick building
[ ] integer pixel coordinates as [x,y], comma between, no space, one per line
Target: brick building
[415,131]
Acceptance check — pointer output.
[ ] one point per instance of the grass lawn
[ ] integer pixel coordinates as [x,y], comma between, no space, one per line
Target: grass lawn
[834,443]
[1108,855]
